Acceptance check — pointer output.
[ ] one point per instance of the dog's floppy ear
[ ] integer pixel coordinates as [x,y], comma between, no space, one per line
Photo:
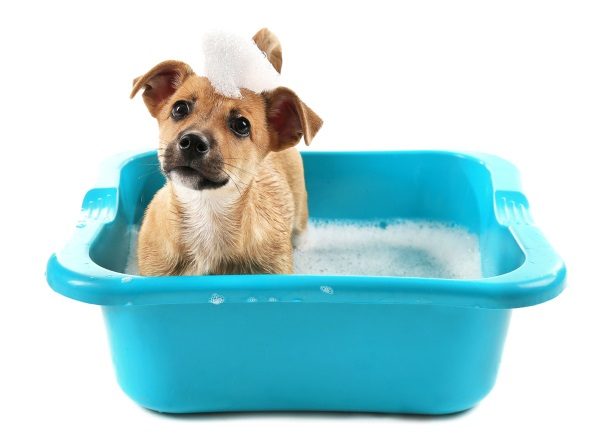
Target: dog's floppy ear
[289,119]
[269,44]
[160,83]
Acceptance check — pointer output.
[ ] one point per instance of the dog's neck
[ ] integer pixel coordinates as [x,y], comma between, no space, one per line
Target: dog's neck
[226,195]
[211,223]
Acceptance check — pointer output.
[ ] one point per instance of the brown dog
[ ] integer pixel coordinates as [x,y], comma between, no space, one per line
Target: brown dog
[235,192]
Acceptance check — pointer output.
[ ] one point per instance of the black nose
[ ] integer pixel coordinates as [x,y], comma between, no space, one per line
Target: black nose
[194,143]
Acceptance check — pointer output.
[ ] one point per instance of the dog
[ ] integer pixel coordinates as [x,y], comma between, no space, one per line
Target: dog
[235,196]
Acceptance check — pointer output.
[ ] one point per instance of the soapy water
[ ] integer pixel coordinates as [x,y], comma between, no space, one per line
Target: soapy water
[397,248]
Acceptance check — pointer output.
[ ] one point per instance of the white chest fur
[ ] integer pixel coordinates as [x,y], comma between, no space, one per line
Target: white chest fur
[210,225]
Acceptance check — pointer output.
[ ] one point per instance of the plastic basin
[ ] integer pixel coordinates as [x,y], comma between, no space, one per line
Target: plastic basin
[318,342]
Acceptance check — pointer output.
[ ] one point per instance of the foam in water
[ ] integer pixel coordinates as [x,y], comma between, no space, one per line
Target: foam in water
[216,299]
[399,248]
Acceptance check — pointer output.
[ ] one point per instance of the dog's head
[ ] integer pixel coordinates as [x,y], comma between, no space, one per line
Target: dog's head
[208,140]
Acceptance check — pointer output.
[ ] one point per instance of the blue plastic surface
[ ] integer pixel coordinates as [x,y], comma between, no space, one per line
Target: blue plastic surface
[318,342]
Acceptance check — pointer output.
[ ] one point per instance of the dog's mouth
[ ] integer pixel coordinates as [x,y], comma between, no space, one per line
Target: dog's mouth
[195,179]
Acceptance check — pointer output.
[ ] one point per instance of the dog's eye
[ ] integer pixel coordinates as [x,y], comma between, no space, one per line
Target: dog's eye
[240,126]
[180,110]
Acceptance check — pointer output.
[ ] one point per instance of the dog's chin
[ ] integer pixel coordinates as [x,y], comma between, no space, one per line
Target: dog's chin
[193,179]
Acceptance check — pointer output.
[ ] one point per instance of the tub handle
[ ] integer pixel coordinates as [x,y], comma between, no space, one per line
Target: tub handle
[542,276]
[99,205]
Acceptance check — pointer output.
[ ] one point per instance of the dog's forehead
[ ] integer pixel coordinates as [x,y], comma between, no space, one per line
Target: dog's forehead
[199,88]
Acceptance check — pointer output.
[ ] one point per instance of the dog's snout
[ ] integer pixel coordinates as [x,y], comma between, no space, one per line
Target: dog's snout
[193,143]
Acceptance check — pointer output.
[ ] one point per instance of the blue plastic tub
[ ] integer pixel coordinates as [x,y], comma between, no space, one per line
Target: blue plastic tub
[311,342]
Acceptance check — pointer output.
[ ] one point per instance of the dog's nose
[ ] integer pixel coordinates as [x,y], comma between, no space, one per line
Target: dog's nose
[194,143]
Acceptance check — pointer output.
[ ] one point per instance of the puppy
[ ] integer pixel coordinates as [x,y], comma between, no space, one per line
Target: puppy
[235,193]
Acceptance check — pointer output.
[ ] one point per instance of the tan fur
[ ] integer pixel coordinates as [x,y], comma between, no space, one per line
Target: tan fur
[269,44]
[247,225]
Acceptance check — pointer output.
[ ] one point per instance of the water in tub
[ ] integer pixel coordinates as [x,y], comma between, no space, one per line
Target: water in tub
[385,248]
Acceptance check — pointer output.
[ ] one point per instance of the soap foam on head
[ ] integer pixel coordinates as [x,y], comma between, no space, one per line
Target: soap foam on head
[399,248]
[233,62]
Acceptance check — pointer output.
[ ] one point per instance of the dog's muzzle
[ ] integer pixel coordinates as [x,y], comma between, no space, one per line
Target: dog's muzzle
[192,161]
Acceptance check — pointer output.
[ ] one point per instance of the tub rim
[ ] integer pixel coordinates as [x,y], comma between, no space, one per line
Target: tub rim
[541,277]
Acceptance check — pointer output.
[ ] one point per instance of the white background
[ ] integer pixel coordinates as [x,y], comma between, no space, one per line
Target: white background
[520,79]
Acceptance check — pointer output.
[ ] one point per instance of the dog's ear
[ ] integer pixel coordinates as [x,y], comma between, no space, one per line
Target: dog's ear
[269,44]
[160,83]
[289,119]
